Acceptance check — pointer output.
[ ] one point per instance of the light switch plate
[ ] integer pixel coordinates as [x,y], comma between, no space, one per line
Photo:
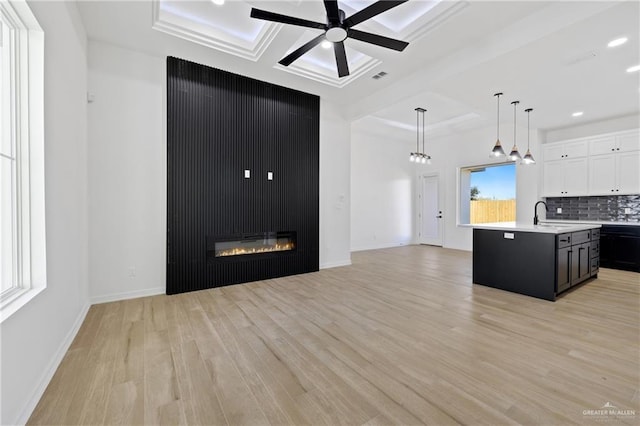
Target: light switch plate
[269,175]
[559,210]
[509,235]
[247,174]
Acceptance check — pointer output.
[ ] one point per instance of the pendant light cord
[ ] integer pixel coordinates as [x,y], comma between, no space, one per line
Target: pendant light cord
[514,123]
[498,115]
[515,104]
[423,150]
[528,131]
[417,131]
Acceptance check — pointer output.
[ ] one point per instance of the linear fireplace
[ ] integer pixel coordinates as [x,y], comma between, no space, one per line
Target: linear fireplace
[265,242]
[242,179]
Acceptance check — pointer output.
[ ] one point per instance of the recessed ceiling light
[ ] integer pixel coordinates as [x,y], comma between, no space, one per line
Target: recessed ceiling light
[633,68]
[577,114]
[326,44]
[218,2]
[617,42]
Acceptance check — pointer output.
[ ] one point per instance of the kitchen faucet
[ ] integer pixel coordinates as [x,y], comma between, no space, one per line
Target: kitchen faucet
[535,211]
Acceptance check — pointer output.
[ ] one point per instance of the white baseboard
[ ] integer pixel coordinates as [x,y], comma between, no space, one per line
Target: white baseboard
[56,359]
[377,246]
[114,297]
[328,265]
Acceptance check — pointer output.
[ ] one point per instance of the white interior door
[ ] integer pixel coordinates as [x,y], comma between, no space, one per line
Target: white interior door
[430,213]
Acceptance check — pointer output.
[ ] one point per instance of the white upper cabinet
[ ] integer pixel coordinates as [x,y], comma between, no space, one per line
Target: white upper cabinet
[614,164]
[565,178]
[629,141]
[565,168]
[599,165]
[614,174]
[562,150]
[628,172]
[623,142]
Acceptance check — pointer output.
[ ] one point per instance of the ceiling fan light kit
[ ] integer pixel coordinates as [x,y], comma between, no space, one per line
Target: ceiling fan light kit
[337,29]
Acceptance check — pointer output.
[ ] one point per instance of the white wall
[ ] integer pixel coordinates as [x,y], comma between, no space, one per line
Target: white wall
[127,173]
[383,190]
[335,187]
[379,161]
[627,122]
[34,339]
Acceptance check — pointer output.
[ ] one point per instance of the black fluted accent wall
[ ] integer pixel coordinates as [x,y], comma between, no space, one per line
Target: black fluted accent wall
[220,124]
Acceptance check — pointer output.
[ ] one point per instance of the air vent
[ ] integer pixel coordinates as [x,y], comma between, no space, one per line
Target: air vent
[582,58]
[379,75]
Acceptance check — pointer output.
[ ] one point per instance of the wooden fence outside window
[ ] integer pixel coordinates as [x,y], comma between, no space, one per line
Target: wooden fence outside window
[489,211]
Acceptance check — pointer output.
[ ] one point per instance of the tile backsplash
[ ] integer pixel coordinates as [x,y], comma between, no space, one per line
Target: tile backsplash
[604,208]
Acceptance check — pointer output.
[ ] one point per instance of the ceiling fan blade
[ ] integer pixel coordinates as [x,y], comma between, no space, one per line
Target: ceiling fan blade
[287,60]
[332,10]
[284,19]
[371,11]
[341,59]
[378,40]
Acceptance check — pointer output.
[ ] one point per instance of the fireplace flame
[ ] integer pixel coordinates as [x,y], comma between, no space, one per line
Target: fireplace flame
[237,251]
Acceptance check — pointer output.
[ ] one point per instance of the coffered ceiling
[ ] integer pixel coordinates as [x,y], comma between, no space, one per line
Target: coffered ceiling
[550,55]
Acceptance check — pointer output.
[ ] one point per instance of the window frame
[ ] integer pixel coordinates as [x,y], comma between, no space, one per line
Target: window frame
[26,122]
[464,188]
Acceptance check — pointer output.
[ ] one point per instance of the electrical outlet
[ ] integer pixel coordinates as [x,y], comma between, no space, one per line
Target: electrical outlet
[627,210]
[132,272]
[559,210]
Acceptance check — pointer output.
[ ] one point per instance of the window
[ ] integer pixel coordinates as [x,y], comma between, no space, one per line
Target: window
[22,236]
[488,194]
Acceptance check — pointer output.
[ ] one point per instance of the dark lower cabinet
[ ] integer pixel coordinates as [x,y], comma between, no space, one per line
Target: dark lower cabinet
[564,269]
[620,247]
[576,258]
[584,263]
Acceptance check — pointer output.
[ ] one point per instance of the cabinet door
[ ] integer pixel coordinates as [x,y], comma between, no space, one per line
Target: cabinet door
[574,265]
[577,149]
[575,177]
[628,142]
[607,250]
[625,255]
[584,262]
[554,151]
[628,173]
[602,174]
[603,145]
[553,185]
[563,267]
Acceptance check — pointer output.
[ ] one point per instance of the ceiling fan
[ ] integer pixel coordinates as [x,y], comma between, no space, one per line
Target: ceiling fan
[337,30]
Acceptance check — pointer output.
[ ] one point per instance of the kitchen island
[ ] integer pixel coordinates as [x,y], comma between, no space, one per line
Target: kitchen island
[535,260]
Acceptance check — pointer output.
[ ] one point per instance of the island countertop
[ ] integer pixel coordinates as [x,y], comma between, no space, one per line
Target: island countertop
[548,228]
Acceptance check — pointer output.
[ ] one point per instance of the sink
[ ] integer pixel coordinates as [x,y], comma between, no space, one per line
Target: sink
[553,225]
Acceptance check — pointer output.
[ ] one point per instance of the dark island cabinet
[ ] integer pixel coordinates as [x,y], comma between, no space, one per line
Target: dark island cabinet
[535,261]
[576,259]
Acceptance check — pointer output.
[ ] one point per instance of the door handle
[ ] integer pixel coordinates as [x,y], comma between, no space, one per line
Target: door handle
[439,216]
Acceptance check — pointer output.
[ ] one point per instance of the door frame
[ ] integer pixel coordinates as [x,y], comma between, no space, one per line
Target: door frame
[419,206]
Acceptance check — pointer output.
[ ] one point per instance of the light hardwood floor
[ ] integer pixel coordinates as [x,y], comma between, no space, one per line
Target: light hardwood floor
[400,337]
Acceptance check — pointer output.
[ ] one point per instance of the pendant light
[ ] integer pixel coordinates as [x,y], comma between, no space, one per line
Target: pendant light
[418,156]
[514,155]
[497,150]
[528,158]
